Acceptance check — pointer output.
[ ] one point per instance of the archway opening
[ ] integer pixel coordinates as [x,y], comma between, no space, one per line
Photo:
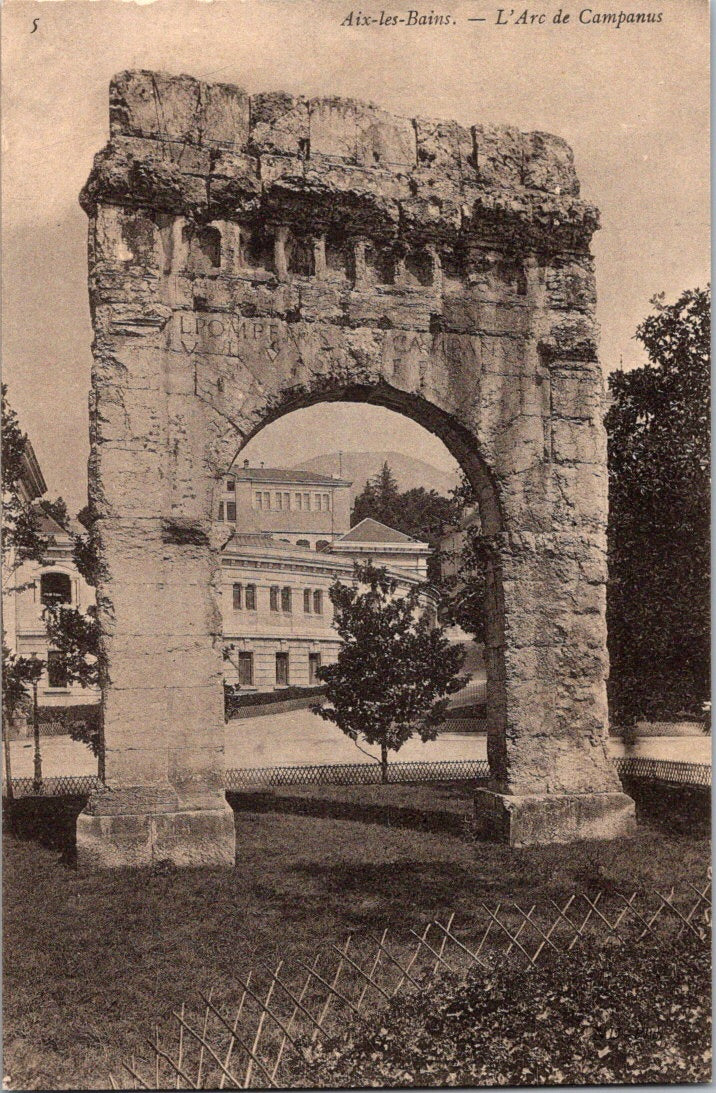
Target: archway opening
[300,503]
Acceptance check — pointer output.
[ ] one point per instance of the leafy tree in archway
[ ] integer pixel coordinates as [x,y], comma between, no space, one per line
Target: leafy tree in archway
[394,670]
[659,483]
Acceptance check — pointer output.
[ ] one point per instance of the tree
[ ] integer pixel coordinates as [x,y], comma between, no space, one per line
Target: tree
[658,533]
[76,636]
[463,594]
[21,542]
[420,513]
[394,669]
[379,499]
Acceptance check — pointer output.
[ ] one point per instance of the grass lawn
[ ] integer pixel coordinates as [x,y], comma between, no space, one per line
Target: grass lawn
[91,961]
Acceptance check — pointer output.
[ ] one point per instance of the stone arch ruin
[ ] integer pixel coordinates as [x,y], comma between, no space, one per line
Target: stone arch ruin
[252,255]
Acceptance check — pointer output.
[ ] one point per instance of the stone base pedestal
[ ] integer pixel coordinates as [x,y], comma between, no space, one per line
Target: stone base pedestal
[538,819]
[114,840]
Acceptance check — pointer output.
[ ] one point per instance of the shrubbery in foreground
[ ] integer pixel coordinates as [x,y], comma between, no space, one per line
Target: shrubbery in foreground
[631,1013]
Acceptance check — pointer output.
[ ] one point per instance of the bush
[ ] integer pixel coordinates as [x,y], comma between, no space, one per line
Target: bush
[602,1014]
[236,700]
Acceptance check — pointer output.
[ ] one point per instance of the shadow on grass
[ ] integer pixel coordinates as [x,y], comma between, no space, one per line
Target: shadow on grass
[387,815]
[675,810]
[49,821]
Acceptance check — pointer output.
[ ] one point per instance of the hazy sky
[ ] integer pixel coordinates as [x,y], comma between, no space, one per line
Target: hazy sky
[632,102]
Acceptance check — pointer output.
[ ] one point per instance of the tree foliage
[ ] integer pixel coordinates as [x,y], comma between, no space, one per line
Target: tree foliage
[21,540]
[394,670]
[420,513]
[75,635]
[658,537]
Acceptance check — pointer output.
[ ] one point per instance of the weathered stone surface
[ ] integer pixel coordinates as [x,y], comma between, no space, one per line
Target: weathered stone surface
[560,818]
[549,164]
[249,258]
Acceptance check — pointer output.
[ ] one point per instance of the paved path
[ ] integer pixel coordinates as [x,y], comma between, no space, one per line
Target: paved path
[299,738]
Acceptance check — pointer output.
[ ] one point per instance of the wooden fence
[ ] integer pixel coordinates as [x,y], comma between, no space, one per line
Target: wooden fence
[279,1010]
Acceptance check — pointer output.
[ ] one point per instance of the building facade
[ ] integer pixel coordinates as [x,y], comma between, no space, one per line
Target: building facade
[275,603]
[292,540]
[305,509]
[32,587]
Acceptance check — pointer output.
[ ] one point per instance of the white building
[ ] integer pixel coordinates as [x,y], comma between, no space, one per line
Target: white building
[293,540]
[35,586]
[275,579]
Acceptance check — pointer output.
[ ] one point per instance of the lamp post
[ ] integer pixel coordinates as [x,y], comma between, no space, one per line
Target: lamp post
[37,763]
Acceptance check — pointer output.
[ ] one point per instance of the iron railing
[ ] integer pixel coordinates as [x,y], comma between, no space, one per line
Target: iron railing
[358,774]
[661,771]
[664,770]
[63,786]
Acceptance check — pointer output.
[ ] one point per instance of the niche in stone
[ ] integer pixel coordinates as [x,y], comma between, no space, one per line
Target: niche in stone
[203,244]
[299,255]
[379,265]
[419,268]
[257,249]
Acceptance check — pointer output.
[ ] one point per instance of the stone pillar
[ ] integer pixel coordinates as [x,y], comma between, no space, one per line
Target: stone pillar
[551,778]
[163,721]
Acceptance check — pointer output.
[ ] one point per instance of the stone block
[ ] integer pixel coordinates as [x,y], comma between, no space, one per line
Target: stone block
[205,837]
[224,116]
[549,164]
[578,442]
[539,819]
[178,108]
[154,104]
[570,285]
[444,146]
[333,129]
[499,153]
[384,140]
[280,124]
[577,394]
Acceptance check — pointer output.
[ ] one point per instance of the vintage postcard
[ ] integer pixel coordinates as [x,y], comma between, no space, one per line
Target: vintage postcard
[356,488]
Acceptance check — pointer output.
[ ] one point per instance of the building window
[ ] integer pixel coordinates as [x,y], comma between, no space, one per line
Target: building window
[220,513]
[282,669]
[231,485]
[286,599]
[287,502]
[307,600]
[267,499]
[250,597]
[314,663]
[56,669]
[307,502]
[317,501]
[327,502]
[298,498]
[278,499]
[55,588]
[273,597]
[246,669]
[231,511]
[258,501]
[318,602]
[237,596]
[303,543]
[322,544]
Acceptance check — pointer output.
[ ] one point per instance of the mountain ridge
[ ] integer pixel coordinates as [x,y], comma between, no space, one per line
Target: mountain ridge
[409,472]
